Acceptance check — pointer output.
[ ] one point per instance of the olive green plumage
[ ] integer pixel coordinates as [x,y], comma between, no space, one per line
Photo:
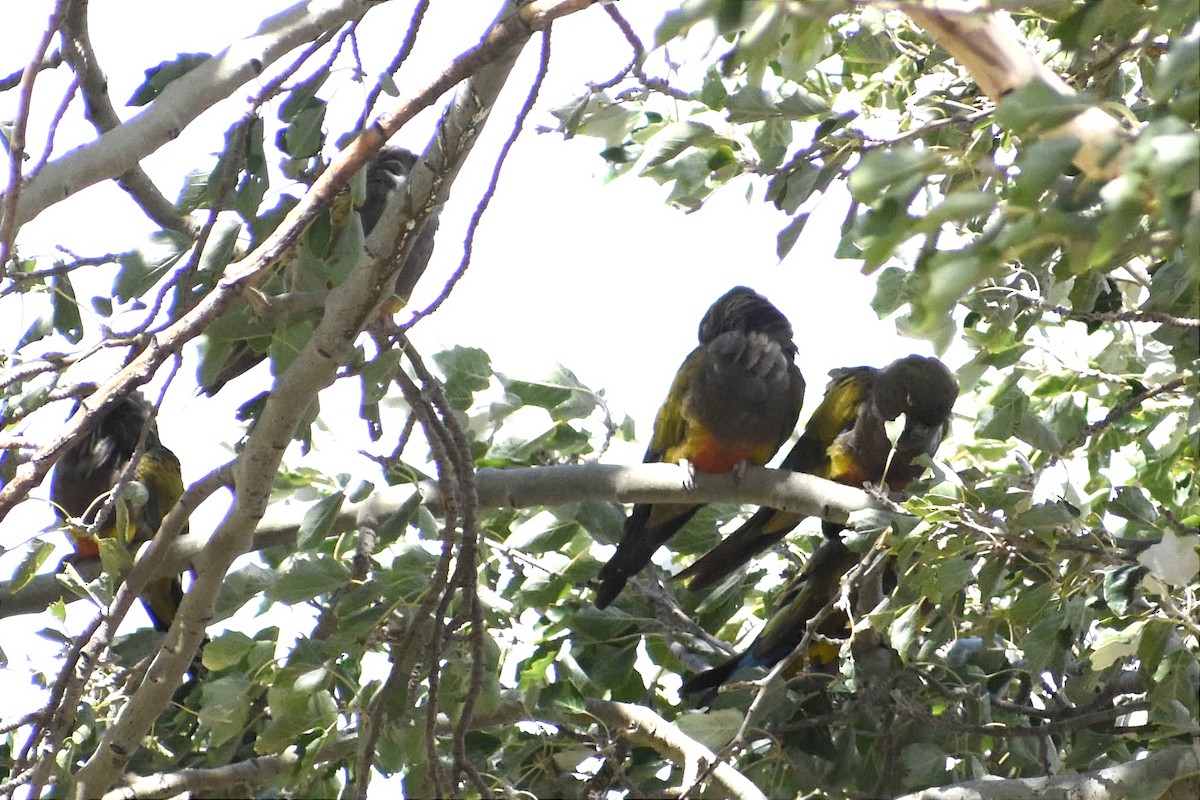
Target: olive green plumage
[734,401]
[845,441]
[89,471]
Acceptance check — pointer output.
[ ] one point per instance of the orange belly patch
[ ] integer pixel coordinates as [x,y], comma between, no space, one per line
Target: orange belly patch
[709,454]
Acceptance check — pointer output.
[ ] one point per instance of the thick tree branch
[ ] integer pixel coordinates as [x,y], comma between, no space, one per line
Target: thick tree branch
[229,780]
[644,727]
[99,110]
[989,46]
[350,307]
[123,147]
[512,488]
[1174,772]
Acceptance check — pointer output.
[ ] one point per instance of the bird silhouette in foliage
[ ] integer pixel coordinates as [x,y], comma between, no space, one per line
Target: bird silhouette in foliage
[242,338]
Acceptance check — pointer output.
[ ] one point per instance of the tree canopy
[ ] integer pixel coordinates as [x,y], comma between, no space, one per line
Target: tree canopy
[1021,182]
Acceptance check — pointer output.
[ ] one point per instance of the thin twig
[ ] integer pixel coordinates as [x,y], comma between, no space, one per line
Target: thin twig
[16,136]
[490,191]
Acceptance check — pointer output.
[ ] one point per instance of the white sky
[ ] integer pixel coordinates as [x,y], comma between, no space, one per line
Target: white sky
[603,278]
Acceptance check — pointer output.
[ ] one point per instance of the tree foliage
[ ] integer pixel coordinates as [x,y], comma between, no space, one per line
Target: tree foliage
[1043,230]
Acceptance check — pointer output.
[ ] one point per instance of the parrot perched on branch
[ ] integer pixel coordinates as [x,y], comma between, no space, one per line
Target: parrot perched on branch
[239,341]
[87,474]
[846,441]
[734,401]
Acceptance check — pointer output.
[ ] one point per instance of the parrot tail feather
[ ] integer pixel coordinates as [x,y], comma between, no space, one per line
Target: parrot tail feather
[737,549]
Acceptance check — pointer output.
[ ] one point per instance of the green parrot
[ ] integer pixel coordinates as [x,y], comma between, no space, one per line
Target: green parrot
[385,177]
[734,401]
[845,441]
[88,472]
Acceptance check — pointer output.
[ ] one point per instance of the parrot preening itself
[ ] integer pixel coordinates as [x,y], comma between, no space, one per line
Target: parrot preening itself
[386,176]
[734,401]
[90,470]
[846,441]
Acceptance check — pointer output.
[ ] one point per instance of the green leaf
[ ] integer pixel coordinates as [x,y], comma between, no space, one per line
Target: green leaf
[39,329]
[1038,106]
[304,135]
[1174,560]
[904,629]
[226,650]
[959,206]
[1045,516]
[1117,647]
[30,564]
[1041,163]
[159,77]
[225,707]
[288,341]
[66,309]
[318,520]
[713,729]
[410,571]
[1179,66]
[1132,503]
[889,291]
[673,139]
[467,370]
[142,269]
[303,97]
[294,717]
[886,168]
[560,393]
[114,555]
[1120,587]
[307,575]
[790,235]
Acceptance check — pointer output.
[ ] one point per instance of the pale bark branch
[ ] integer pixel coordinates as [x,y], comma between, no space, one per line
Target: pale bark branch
[1170,773]
[990,47]
[123,147]
[227,780]
[644,727]
[512,488]
[350,306]
[98,109]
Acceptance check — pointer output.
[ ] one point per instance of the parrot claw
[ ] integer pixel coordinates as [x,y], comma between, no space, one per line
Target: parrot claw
[739,470]
[689,474]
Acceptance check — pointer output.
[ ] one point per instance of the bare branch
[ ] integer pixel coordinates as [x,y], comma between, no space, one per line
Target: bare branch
[516,488]
[1178,767]
[989,46]
[12,81]
[16,139]
[123,147]
[644,727]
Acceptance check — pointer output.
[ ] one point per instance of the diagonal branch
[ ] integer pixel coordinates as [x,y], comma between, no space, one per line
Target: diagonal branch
[989,46]
[350,307]
[98,109]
